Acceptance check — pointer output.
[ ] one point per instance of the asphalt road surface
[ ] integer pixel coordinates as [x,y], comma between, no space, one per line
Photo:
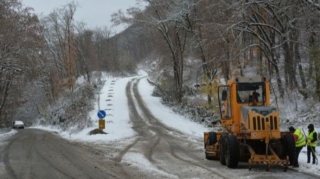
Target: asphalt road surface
[161,152]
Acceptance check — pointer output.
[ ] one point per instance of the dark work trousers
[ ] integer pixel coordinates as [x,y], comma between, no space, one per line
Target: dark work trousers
[298,150]
[309,151]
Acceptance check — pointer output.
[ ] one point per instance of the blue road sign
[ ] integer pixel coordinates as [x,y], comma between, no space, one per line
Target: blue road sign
[101,114]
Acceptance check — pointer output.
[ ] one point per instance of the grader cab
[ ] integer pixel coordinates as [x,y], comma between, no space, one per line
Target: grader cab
[251,127]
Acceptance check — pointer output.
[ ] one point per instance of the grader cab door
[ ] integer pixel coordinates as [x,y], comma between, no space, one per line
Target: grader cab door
[224,102]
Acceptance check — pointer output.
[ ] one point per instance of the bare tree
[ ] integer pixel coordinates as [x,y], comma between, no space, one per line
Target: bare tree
[20,44]
[60,39]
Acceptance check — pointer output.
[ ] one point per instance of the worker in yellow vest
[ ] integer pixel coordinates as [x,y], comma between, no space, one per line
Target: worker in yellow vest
[311,143]
[300,142]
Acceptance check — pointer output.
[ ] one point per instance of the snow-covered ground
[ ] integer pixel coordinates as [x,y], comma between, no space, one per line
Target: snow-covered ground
[118,125]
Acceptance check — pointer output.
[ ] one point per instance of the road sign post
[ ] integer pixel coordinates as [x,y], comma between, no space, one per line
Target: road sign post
[101,114]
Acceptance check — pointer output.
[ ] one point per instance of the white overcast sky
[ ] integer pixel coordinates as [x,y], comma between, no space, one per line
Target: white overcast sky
[95,13]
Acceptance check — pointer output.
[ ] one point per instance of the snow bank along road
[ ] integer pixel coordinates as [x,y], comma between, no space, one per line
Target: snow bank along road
[157,151]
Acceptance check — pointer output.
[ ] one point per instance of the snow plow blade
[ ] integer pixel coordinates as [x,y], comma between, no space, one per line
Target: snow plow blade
[268,160]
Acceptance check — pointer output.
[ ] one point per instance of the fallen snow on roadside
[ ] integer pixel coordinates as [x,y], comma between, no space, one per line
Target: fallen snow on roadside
[5,135]
[166,115]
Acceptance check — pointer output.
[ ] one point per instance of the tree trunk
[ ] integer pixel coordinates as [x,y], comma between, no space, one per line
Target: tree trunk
[4,96]
[301,73]
[278,77]
[317,73]
[290,75]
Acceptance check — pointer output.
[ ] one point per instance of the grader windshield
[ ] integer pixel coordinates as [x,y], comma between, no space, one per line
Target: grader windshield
[246,93]
[251,93]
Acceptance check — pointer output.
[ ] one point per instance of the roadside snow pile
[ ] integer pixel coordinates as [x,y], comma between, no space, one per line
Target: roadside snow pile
[5,133]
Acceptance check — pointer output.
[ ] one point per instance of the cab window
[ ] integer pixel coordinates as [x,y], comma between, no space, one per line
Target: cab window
[224,102]
[250,93]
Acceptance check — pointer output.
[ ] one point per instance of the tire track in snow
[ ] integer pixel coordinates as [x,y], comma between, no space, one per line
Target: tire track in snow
[165,134]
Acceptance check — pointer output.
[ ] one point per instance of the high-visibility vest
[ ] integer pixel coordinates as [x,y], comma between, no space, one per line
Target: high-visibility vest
[310,137]
[300,141]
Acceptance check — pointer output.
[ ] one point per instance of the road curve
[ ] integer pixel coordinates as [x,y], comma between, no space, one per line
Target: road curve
[156,151]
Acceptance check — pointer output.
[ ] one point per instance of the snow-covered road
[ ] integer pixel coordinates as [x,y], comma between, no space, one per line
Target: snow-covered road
[148,140]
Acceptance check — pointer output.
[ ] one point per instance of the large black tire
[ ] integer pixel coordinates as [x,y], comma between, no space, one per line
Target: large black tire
[222,146]
[289,147]
[212,138]
[232,151]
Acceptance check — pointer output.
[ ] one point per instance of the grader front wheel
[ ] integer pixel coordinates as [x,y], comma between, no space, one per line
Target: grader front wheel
[222,148]
[231,151]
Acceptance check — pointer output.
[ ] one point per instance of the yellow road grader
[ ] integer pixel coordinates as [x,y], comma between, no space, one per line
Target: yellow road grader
[251,127]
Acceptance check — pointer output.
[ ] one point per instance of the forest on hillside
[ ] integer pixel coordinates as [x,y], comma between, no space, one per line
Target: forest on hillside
[280,39]
[41,58]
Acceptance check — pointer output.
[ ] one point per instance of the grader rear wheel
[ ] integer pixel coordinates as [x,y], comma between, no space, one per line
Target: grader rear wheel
[212,138]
